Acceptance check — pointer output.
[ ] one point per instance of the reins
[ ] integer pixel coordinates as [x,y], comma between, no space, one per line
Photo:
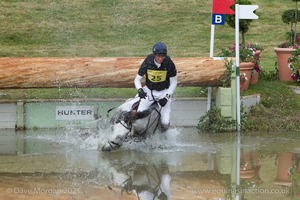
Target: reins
[157,118]
[128,126]
[125,126]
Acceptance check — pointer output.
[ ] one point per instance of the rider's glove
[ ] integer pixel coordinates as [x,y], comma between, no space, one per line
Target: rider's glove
[142,93]
[162,102]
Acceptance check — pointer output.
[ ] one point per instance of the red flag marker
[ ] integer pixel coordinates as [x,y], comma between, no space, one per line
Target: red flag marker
[222,7]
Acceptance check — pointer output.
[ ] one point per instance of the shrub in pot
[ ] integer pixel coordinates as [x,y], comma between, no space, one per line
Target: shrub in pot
[284,50]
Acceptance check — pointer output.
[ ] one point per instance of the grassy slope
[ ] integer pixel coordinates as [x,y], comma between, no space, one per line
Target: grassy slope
[37,28]
[278,111]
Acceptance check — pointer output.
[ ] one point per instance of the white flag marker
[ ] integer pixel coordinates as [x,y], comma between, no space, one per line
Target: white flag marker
[241,12]
[247,12]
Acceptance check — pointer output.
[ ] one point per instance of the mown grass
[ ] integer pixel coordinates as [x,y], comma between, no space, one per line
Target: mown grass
[96,28]
[88,93]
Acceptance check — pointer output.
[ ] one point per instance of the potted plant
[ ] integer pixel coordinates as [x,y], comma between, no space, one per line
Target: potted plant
[249,57]
[257,50]
[243,82]
[294,64]
[250,49]
[246,53]
[284,50]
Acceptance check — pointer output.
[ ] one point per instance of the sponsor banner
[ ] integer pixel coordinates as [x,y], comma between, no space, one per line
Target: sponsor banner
[74,113]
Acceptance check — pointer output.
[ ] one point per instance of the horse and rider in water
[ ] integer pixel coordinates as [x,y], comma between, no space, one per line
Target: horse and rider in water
[151,108]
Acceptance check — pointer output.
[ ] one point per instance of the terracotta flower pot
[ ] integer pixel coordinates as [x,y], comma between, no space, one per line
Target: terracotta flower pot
[246,67]
[257,52]
[285,162]
[283,55]
[250,166]
[254,77]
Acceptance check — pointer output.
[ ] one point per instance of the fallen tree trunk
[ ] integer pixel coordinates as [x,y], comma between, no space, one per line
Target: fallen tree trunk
[100,72]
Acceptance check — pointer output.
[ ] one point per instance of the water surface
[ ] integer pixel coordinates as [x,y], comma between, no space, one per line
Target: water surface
[182,164]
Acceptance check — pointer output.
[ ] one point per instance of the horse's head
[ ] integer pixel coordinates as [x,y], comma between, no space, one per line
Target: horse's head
[119,131]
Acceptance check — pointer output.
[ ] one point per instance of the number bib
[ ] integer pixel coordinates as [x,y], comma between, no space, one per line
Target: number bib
[157,76]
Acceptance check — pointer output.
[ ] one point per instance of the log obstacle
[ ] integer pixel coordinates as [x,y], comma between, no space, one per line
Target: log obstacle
[17,73]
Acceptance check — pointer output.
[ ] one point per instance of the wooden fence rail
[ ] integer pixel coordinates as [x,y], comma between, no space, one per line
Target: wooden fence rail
[100,72]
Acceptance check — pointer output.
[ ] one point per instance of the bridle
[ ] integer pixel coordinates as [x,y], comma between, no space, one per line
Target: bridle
[153,107]
[128,126]
[156,119]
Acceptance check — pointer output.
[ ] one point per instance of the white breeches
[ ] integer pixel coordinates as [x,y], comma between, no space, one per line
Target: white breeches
[146,103]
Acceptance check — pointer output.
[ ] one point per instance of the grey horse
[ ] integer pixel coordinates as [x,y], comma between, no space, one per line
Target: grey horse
[127,124]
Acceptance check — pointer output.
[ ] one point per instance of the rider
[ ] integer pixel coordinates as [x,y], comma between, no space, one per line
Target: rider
[161,82]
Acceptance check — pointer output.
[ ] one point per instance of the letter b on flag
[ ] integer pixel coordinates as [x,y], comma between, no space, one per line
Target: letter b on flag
[218,19]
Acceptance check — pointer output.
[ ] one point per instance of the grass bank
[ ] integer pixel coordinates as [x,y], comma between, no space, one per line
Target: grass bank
[86,93]
[99,28]
[278,112]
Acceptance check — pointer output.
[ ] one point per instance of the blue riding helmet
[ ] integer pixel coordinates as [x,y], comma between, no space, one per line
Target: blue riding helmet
[159,49]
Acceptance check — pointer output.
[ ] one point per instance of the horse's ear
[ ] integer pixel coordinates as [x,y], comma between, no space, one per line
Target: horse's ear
[133,113]
[135,105]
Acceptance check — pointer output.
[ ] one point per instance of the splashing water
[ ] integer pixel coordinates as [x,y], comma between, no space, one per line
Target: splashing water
[162,142]
[88,139]
[170,141]
[74,137]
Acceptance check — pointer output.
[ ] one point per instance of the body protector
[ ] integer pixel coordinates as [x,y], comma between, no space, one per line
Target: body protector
[157,78]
